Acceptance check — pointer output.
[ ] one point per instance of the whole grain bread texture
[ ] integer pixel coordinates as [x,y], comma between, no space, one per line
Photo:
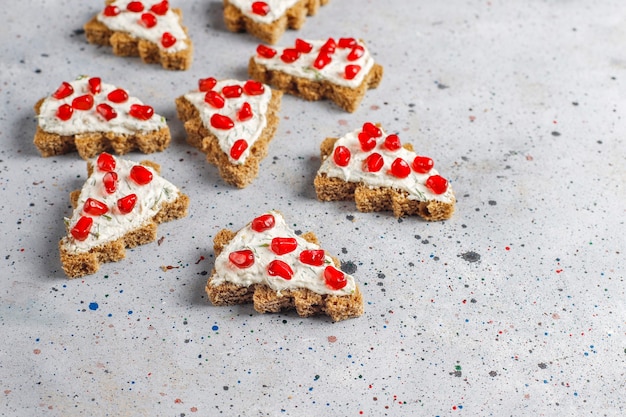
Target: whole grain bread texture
[371,199]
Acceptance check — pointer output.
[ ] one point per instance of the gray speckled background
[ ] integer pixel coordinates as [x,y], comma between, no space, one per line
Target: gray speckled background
[515,306]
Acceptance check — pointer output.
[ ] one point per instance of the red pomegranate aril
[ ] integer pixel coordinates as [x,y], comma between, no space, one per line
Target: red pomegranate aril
[265,51]
[111,11]
[400,168]
[64,112]
[253,88]
[334,278]
[357,52]
[140,174]
[126,204]
[392,142]
[95,207]
[219,121]
[118,96]
[373,163]
[160,8]
[329,46]
[322,60]
[242,258]
[81,229]
[84,102]
[422,164]
[351,71]
[280,268]
[367,142]
[95,85]
[261,8]
[245,113]
[106,111]
[105,162]
[289,55]
[346,42]
[232,91]
[372,130]
[148,20]
[64,90]
[341,156]
[141,112]
[238,149]
[206,84]
[263,223]
[303,46]
[214,99]
[135,6]
[437,184]
[167,39]
[314,257]
[283,245]
[109,180]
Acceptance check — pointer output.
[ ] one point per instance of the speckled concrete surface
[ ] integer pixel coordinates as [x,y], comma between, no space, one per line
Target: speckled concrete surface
[513,307]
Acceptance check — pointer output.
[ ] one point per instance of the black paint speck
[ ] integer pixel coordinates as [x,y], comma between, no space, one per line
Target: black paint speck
[348,267]
[542,365]
[555,133]
[493,373]
[350,217]
[470,256]
[492,202]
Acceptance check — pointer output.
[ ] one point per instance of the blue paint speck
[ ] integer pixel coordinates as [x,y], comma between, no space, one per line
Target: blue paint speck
[215,328]
[93,306]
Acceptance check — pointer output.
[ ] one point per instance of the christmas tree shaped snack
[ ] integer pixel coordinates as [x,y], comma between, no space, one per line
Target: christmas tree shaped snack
[380,173]
[268,264]
[118,207]
[89,116]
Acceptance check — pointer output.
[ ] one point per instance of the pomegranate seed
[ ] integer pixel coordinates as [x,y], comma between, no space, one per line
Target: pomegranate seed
[367,142]
[64,112]
[253,88]
[289,55]
[109,180]
[105,162]
[64,90]
[147,20]
[118,96]
[437,184]
[141,112]
[232,91]
[303,46]
[400,168]
[111,11]
[160,8]
[335,279]
[261,8]
[392,142]
[140,174]
[422,164]
[221,122]
[238,148]
[346,42]
[350,71]
[372,130]
[81,229]
[329,46]
[83,102]
[214,99]
[263,223]
[127,204]
[322,60]
[242,258]
[373,163]
[245,113]
[341,156]
[206,84]
[283,245]
[356,53]
[135,6]
[106,111]
[265,51]
[95,85]
[280,268]
[315,257]
[168,39]
[95,207]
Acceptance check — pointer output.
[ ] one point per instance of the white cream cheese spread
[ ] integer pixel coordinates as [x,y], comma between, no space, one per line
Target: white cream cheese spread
[273,10]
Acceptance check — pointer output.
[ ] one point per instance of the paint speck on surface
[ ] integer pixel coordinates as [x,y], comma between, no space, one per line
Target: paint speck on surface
[332,339]
[93,306]
[470,256]
[215,327]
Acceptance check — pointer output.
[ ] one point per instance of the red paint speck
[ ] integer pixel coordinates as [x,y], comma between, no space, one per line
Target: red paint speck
[558,271]
[200,260]
[507,248]
[332,339]
[472,118]
[193,409]
[464,301]
[36,351]
[178,401]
